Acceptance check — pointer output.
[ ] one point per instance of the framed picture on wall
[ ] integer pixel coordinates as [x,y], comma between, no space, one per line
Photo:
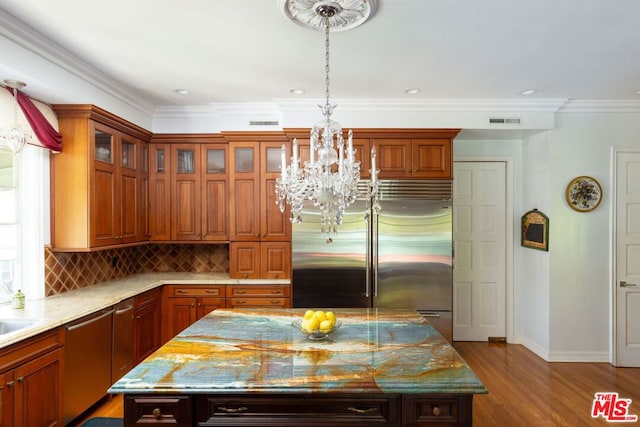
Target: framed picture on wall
[535,230]
[584,194]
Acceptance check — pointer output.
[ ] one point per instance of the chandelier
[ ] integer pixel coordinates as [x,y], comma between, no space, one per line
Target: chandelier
[329,179]
[14,137]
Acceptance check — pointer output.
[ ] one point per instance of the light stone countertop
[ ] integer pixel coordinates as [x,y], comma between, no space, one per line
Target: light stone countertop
[58,310]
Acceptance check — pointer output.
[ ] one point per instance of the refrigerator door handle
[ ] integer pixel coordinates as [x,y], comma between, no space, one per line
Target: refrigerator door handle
[375,255]
[367,282]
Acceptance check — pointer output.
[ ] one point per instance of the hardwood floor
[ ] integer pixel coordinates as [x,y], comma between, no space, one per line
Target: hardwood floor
[524,390]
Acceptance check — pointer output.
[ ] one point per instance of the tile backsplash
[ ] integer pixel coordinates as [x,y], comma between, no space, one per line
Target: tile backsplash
[66,271]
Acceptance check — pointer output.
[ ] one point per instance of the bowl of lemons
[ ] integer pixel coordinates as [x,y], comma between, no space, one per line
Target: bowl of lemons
[317,324]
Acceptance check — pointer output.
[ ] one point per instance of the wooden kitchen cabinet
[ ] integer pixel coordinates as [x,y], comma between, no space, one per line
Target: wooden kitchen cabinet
[413,158]
[187,303]
[260,235]
[186,207]
[255,260]
[258,296]
[189,188]
[31,376]
[147,324]
[400,153]
[96,181]
[160,192]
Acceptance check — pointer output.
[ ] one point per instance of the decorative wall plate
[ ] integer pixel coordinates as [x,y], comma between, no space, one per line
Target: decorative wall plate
[584,194]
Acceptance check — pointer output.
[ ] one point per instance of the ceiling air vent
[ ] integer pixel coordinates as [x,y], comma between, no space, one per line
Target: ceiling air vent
[263,123]
[504,120]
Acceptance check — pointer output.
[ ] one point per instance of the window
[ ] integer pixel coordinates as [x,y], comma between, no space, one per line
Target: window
[8,224]
[24,221]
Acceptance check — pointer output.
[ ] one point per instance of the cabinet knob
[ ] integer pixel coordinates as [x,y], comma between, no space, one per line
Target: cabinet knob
[436,411]
[20,379]
[245,275]
[10,384]
[157,413]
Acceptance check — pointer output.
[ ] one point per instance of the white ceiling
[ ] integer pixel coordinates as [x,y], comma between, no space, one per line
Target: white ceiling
[246,51]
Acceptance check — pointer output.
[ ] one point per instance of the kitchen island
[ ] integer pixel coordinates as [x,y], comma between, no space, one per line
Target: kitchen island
[249,367]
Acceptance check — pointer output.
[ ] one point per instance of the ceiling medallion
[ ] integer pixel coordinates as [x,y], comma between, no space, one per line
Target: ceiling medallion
[342,14]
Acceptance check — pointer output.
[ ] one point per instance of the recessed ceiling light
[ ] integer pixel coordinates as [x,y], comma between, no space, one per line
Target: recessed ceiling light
[182,92]
[296,91]
[528,92]
[412,91]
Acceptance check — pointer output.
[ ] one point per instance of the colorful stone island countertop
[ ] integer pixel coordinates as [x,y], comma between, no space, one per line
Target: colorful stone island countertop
[259,351]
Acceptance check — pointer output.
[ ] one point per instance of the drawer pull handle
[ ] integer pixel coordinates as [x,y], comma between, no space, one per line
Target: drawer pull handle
[436,411]
[157,413]
[239,292]
[181,291]
[211,291]
[362,411]
[275,301]
[240,302]
[233,410]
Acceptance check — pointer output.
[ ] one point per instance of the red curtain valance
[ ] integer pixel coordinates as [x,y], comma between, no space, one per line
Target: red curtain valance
[48,137]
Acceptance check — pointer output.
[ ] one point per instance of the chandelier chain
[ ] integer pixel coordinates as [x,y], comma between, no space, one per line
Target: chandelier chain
[326,59]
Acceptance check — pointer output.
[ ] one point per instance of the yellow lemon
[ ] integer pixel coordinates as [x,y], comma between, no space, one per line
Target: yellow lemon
[320,315]
[326,325]
[313,324]
[304,325]
[308,314]
[330,316]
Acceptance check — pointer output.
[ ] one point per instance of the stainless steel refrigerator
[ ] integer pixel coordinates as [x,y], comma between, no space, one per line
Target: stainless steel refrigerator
[401,257]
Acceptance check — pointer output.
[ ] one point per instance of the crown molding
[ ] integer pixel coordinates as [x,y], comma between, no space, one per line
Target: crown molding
[429,105]
[601,106]
[35,42]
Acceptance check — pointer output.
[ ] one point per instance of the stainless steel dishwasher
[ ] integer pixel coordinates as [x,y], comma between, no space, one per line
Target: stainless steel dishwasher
[87,362]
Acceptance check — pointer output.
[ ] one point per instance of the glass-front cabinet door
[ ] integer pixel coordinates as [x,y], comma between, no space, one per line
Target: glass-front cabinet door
[159,192]
[103,146]
[105,200]
[186,193]
[215,193]
[245,188]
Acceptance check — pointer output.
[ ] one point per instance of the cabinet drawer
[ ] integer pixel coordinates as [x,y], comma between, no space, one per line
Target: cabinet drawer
[309,411]
[234,291]
[146,297]
[258,302]
[440,410]
[198,291]
[157,411]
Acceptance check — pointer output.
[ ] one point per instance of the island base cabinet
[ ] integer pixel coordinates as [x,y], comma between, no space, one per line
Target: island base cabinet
[150,410]
[302,410]
[308,410]
[434,410]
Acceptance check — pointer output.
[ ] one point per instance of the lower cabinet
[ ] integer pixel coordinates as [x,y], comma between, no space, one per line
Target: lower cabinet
[186,304]
[147,326]
[310,410]
[31,377]
[257,296]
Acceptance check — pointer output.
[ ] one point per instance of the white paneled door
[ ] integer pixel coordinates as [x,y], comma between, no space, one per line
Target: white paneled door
[627,290]
[479,238]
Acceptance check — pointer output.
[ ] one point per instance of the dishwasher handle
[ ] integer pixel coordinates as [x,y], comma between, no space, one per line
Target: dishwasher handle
[89,321]
[122,310]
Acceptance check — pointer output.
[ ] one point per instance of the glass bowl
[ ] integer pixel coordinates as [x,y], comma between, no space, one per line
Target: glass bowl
[316,335]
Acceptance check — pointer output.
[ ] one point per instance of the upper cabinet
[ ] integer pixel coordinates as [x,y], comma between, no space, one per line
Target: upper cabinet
[260,233]
[98,181]
[400,153]
[189,188]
